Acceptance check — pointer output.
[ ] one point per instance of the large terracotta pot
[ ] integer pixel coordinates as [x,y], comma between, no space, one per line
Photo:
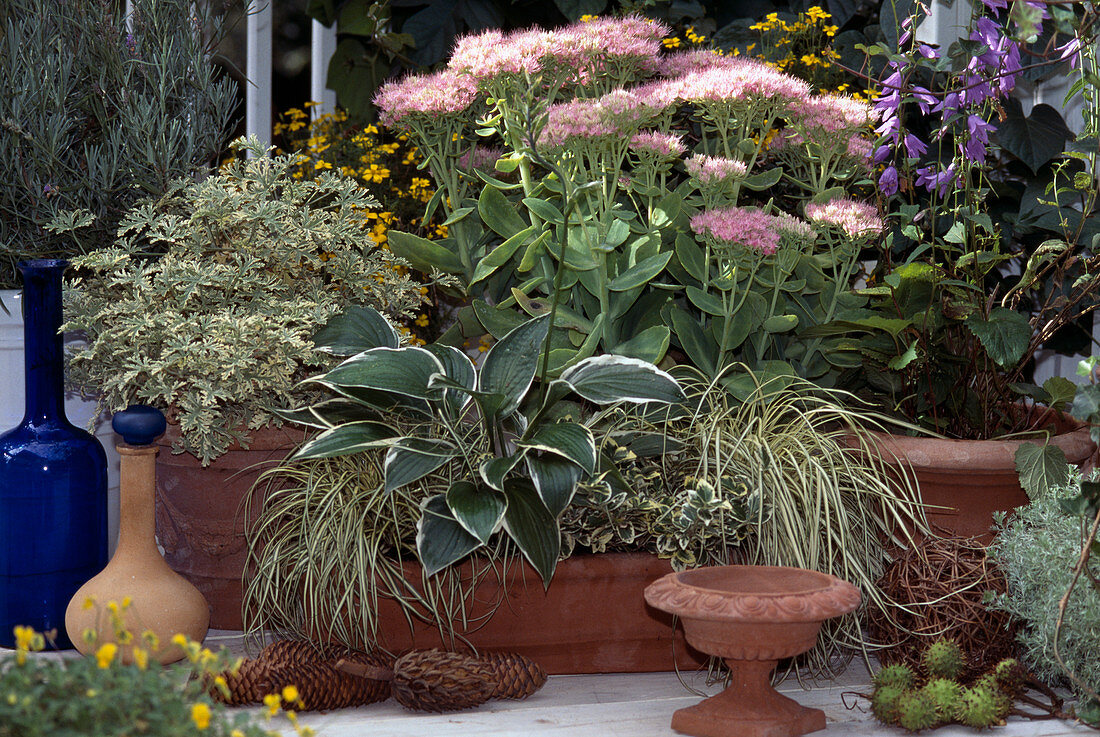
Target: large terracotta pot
[592,619]
[201,519]
[966,481]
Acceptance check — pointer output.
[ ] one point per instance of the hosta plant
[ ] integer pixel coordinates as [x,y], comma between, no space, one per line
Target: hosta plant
[508,453]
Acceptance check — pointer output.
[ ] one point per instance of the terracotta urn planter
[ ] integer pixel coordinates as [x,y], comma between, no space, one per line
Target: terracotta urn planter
[966,481]
[200,515]
[591,619]
[751,616]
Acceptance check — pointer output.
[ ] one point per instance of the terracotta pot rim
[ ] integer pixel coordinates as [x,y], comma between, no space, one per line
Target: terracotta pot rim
[824,596]
[978,455]
[268,437]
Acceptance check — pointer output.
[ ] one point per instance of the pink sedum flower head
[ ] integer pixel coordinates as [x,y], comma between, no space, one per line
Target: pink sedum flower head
[480,157]
[667,145]
[750,79]
[832,113]
[750,227]
[427,95]
[696,60]
[582,47]
[618,113]
[714,169]
[853,217]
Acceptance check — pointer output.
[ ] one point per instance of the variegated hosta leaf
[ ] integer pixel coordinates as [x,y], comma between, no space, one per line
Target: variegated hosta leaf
[355,330]
[440,540]
[510,365]
[608,378]
[494,470]
[345,439]
[403,371]
[566,439]
[409,459]
[529,523]
[555,479]
[478,510]
[458,367]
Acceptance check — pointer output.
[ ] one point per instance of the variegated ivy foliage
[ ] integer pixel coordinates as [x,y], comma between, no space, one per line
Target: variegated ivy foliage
[207,303]
[690,523]
[506,453]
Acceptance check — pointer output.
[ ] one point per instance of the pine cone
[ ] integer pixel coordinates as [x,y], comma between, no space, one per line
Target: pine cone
[517,676]
[312,670]
[433,680]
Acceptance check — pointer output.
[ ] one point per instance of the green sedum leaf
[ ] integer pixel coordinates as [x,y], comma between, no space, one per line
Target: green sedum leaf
[422,253]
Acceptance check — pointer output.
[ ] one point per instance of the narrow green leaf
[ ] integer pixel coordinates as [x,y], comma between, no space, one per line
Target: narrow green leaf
[705,301]
[641,273]
[458,215]
[529,523]
[440,539]
[479,511]
[497,212]
[422,253]
[544,210]
[500,255]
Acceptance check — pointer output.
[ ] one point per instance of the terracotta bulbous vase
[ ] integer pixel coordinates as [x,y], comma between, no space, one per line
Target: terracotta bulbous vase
[158,600]
[751,616]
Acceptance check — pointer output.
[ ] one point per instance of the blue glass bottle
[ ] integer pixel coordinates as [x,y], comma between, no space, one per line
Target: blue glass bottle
[53,479]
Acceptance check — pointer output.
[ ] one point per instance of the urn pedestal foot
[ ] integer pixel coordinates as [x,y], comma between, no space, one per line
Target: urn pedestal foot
[749,707]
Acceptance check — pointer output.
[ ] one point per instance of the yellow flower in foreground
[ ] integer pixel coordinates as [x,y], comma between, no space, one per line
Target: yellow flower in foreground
[271,701]
[236,733]
[89,602]
[290,694]
[141,657]
[200,715]
[105,654]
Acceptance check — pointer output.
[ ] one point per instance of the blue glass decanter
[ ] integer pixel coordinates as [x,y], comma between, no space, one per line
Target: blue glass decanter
[53,480]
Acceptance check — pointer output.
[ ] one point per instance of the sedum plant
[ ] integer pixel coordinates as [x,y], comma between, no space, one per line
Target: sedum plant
[96,115]
[206,305]
[508,454]
[662,196]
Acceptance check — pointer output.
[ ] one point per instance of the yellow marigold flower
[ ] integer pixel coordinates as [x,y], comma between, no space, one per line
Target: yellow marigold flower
[311,103]
[89,602]
[422,320]
[89,636]
[91,693]
[151,639]
[112,607]
[126,602]
[271,701]
[295,125]
[105,654]
[125,637]
[200,715]
[236,733]
[207,656]
[320,164]
[141,657]
[179,639]
[671,43]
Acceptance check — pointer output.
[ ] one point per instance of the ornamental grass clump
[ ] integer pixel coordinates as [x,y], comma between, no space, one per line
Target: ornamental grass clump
[206,305]
[615,153]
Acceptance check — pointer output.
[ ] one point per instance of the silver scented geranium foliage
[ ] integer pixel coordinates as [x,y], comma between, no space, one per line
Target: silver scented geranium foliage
[497,450]
[206,305]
